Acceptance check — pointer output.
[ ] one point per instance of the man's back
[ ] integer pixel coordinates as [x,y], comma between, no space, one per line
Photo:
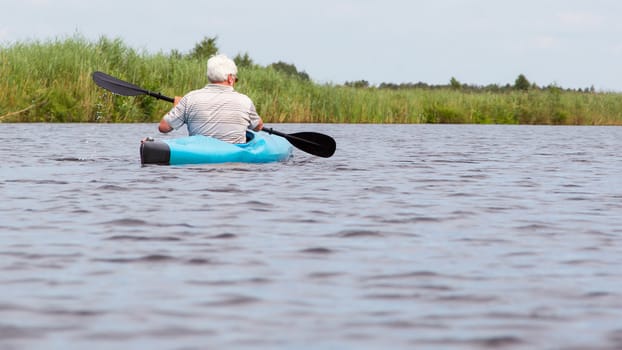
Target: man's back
[215,110]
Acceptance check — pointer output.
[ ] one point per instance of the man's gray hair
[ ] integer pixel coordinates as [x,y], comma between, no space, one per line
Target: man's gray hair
[219,67]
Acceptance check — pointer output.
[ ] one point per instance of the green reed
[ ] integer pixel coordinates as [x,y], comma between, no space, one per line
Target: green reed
[51,82]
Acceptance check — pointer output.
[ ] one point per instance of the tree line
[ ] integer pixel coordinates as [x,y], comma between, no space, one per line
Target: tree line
[520,84]
[208,47]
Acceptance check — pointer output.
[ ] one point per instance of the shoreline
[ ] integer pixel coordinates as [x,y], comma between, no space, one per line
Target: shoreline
[51,82]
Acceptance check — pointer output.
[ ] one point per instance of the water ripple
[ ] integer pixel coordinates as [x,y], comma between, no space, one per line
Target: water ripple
[438,236]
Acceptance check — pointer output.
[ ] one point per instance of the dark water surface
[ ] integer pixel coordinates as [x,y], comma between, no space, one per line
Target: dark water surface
[411,236]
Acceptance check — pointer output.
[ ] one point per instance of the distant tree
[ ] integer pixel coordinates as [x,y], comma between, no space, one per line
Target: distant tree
[455,84]
[391,86]
[554,88]
[521,83]
[289,69]
[492,88]
[304,76]
[243,60]
[204,49]
[357,84]
[283,67]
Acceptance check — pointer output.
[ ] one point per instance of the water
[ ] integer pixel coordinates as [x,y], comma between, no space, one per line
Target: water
[410,236]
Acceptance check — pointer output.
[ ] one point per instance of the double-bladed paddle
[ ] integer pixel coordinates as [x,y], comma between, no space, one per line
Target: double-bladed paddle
[311,142]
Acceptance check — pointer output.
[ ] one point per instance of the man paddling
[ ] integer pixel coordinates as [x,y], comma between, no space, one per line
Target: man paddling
[216,110]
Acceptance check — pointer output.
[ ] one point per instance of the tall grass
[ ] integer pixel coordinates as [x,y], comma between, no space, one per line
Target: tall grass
[51,82]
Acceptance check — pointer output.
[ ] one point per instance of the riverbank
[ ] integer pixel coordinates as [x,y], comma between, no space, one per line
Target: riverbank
[51,82]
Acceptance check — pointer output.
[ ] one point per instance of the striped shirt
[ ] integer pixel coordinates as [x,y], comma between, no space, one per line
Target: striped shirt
[215,110]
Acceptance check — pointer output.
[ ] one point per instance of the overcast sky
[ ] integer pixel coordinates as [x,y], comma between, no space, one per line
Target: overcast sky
[571,43]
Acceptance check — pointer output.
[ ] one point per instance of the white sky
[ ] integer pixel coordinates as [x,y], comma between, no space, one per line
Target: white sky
[572,43]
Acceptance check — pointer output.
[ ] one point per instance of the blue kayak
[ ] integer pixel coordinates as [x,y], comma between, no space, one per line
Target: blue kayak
[260,147]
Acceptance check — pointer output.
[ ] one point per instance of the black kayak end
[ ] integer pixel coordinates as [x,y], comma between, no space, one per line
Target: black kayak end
[155,152]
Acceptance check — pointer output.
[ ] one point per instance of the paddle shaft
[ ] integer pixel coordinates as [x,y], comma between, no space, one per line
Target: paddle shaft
[288,136]
[159,96]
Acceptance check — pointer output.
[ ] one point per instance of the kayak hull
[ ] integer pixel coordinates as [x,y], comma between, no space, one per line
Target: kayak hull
[198,149]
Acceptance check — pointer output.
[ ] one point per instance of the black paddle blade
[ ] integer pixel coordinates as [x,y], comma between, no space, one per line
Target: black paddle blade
[124,88]
[117,86]
[311,142]
[314,143]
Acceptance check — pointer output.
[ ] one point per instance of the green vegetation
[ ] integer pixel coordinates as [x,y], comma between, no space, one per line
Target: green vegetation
[51,82]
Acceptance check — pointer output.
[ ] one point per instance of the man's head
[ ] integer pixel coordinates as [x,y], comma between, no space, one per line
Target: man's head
[219,68]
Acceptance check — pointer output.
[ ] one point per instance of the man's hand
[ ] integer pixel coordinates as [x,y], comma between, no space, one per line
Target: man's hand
[259,126]
[164,127]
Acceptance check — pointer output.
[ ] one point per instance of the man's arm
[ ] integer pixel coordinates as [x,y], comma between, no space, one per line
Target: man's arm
[164,126]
